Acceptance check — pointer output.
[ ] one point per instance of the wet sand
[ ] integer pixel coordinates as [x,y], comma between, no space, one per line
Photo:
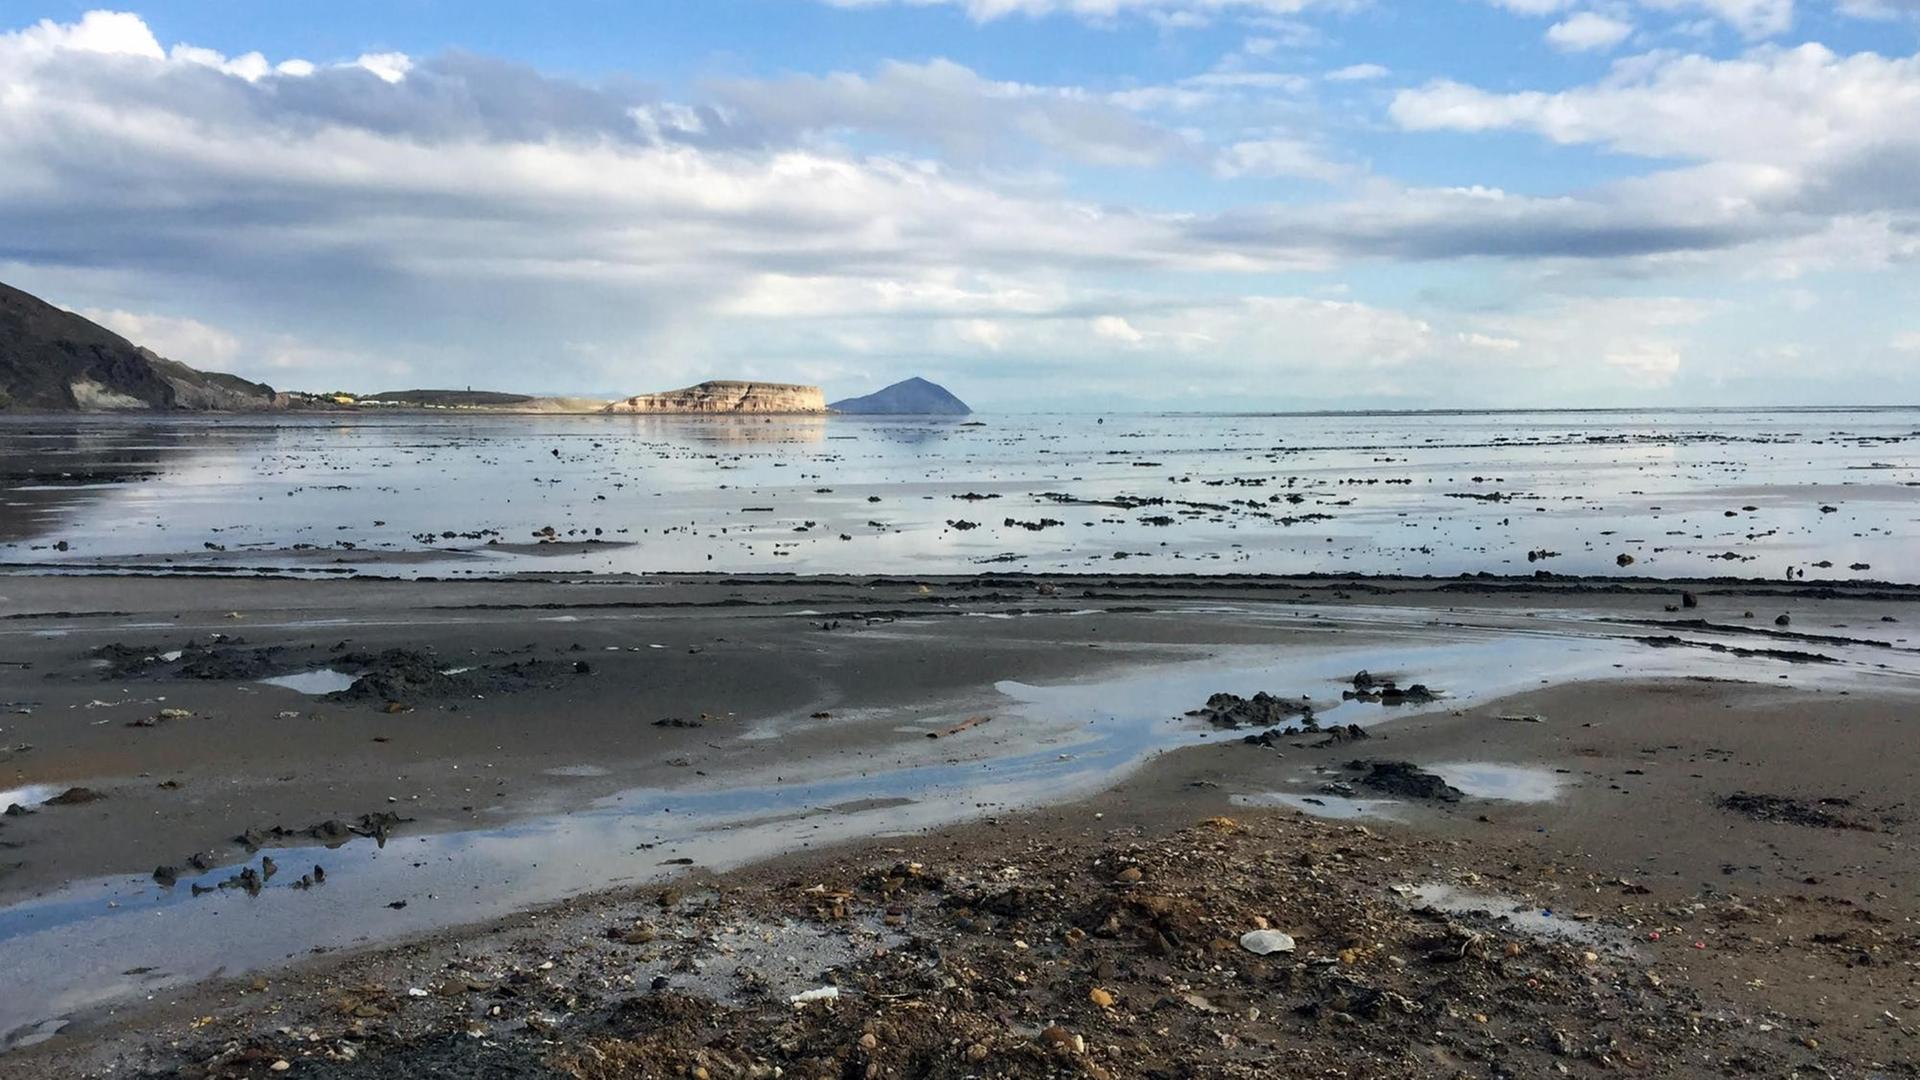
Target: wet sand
[563,784]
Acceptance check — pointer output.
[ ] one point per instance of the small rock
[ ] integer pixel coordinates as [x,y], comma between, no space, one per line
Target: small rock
[1266,942]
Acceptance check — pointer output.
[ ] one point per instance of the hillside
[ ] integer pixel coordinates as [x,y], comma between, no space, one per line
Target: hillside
[446,399]
[728,396]
[52,359]
[915,396]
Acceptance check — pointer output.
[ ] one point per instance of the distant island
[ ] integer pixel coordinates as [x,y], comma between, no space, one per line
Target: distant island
[909,397]
[52,360]
[728,396]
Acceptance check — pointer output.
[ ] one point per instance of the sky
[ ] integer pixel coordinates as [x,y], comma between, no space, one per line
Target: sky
[1069,205]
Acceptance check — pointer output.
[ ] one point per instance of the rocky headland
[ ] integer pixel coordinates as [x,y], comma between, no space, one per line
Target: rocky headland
[728,396]
[54,360]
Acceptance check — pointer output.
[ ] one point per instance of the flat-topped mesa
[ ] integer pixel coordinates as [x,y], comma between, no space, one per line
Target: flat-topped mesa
[728,396]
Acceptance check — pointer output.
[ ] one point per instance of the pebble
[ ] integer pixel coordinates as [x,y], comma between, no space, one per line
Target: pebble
[1266,942]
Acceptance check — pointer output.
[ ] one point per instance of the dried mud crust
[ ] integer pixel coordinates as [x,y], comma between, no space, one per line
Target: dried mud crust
[1039,959]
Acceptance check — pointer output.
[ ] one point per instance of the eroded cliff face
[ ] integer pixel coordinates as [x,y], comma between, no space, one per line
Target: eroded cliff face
[728,397]
[52,359]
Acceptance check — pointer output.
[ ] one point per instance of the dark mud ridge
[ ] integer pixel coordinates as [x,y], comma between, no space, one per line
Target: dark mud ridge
[1225,710]
[1370,687]
[219,657]
[1791,656]
[408,675]
[391,676]
[1811,813]
[1405,780]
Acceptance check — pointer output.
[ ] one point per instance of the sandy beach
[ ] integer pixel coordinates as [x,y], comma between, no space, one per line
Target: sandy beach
[459,758]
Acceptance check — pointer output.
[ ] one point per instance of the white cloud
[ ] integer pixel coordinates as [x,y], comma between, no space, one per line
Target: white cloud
[1357,73]
[1177,14]
[1777,132]
[110,33]
[1647,363]
[1533,7]
[458,218]
[390,67]
[1115,328]
[1754,18]
[950,105]
[1278,156]
[186,340]
[1588,31]
[1879,9]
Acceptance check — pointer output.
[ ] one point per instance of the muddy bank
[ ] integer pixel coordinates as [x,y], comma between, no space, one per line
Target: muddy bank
[722,721]
[1081,946]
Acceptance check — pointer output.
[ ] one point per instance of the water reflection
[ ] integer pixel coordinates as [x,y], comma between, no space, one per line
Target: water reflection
[1746,493]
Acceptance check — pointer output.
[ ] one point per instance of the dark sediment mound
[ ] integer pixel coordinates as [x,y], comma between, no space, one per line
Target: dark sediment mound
[1370,687]
[1791,656]
[1225,710]
[333,832]
[1813,814]
[1405,779]
[909,397]
[55,360]
[408,675]
[221,658]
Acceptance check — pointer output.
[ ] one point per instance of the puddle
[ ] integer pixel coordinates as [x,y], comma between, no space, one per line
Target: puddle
[1334,807]
[1541,922]
[37,1034]
[61,943]
[1509,783]
[30,796]
[317,682]
[576,770]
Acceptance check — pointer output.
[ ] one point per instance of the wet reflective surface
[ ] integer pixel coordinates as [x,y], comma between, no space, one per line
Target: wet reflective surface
[1519,916]
[1508,783]
[1737,493]
[96,941]
[315,682]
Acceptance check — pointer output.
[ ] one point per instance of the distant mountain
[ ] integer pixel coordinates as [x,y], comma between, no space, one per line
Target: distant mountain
[56,360]
[914,397]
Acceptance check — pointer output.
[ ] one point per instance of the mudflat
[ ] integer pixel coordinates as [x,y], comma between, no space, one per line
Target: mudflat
[348,825]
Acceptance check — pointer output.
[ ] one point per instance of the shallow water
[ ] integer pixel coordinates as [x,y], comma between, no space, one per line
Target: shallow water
[316,682]
[1507,783]
[1332,807]
[1524,918]
[1736,493]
